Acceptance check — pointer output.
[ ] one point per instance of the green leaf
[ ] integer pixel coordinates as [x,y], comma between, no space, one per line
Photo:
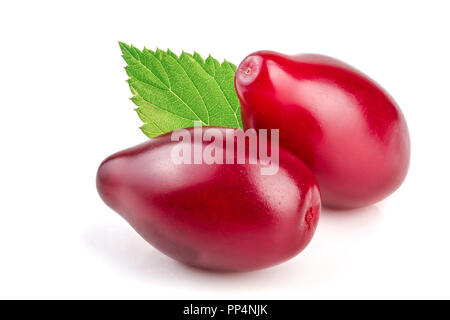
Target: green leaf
[172,91]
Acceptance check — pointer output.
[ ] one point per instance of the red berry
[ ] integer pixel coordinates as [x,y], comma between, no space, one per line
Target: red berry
[344,126]
[215,216]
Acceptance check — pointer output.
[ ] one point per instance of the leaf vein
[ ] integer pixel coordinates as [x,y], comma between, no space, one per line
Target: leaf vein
[201,97]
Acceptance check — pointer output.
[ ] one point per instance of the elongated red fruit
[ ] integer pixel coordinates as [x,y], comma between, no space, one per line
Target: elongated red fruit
[215,216]
[344,126]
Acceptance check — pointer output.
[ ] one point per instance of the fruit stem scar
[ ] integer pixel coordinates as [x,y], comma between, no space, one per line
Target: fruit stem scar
[309,217]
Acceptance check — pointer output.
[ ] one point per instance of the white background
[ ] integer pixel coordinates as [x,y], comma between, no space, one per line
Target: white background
[64,107]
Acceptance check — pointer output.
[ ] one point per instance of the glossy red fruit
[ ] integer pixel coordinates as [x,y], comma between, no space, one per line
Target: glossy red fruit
[218,216]
[344,126]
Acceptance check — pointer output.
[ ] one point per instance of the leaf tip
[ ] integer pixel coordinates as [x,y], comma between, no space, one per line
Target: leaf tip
[172,54]
[123,46]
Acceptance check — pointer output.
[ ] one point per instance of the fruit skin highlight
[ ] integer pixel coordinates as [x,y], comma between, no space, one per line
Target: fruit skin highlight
[344,126]
[220,216]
